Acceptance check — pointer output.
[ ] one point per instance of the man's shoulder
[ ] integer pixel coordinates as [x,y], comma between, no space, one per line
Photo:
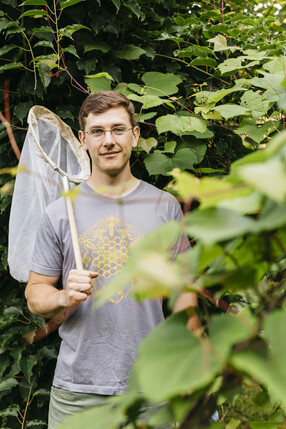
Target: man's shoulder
[161,193]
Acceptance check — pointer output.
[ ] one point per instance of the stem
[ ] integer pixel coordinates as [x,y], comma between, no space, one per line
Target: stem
[27,405]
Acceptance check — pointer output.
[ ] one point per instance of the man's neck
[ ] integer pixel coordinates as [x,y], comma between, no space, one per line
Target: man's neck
[113,186]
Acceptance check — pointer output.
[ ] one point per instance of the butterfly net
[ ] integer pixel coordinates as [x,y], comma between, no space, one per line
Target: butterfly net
[50,151]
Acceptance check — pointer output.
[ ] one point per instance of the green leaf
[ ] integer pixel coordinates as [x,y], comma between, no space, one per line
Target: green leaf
[26,364]
[254,101]
[268,177]
[129,52]
[148,269]
[21,110]
[69,3]
[6,48]
[255,132]
[70,29]
[220,44]
[158,163]
[160,84]
[184,158]
[142,117]
[71,49]
[97,46]
[8,384]
[148,144]
[170,146]
[11,411]
[180,125]
[194,51]
[50,60]
[200,360]
[270,370]
[231,110]
[45,74]
[208,190]
[98,82]
[116,4]
[135,8]
[34,3]
[217,224]
[106,417]
[11,66]
[202,61]
[35,13]
[45,44]
[148,101]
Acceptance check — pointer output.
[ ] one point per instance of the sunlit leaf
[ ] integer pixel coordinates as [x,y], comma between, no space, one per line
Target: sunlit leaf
[268,177]
[160,84]
[98,82]
[147,144]
[200,360]
[216,224]
[180,124]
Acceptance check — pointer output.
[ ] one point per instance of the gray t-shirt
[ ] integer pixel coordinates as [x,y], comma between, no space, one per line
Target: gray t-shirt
[98,348]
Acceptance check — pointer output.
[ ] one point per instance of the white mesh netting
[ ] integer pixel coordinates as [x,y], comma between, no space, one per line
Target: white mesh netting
[50,151]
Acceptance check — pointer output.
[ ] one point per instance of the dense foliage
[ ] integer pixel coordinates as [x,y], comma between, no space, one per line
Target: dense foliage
[208,82]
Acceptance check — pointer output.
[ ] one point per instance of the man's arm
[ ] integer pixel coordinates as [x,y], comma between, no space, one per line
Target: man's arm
[45,300]
[189,301]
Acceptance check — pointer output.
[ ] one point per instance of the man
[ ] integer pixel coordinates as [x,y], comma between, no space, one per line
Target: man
[98,348]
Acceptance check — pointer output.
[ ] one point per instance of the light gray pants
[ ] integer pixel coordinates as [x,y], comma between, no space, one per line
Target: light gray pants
[64,403]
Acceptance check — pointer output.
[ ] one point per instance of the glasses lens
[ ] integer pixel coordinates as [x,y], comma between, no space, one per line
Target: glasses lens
[118,131]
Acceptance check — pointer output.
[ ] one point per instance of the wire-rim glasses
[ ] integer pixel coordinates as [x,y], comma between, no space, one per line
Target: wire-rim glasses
[99,133]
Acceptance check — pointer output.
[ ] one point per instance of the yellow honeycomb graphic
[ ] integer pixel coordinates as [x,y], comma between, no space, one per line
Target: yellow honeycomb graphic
[104,248]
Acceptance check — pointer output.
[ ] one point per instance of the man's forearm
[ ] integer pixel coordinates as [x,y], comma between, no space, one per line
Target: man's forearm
[44,300]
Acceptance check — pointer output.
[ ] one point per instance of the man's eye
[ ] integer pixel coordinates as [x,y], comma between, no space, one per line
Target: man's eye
[118,130]
[97,132]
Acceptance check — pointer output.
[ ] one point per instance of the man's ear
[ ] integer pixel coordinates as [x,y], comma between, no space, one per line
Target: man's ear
[81,137]
[136,134]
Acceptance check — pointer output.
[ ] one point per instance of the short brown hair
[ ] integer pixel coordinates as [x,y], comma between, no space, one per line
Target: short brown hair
[101,101]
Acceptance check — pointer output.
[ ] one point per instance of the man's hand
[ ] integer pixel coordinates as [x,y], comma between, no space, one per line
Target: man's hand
[78,287]
[45,300]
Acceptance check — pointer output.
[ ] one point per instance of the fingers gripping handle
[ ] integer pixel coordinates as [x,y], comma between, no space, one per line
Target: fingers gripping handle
[73,228]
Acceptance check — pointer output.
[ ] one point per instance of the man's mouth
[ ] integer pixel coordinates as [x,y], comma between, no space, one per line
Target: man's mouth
[110,154]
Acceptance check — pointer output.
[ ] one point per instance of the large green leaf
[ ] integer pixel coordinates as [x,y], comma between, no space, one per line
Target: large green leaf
[180,124]
[217,224]
[97,46]
[106,417]
[184,158]
[231,110]
[148,268]
[267,177]
[148,101]
[208,190]
[98,82]
[252,130]
[160,84]
[270,370]
[129,52]
[171,361]
[254,101]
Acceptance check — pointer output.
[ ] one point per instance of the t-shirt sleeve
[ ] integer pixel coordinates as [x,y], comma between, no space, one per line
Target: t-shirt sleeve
[183,244]
[47,256]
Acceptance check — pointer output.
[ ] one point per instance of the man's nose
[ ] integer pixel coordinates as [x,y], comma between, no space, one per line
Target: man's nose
[108,138]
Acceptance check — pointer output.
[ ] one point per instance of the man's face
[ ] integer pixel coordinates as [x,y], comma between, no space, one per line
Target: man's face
[109,153]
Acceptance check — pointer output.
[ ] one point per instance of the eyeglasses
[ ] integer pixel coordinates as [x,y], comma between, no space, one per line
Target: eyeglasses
[99,133]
